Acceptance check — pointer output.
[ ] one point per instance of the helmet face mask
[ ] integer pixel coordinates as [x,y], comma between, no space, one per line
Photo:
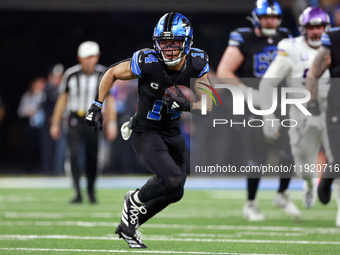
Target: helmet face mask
[313,22]
[172,38]
[264,9]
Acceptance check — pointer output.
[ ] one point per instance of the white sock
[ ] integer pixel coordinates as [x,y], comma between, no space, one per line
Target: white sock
[136,198]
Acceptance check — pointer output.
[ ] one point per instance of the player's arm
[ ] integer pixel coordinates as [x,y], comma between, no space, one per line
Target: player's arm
[110,115]
[121,71]
[321,62]
[231,60]
[276,72]
[58,111]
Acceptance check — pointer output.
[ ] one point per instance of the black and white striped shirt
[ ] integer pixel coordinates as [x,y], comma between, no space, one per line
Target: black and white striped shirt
[80,87]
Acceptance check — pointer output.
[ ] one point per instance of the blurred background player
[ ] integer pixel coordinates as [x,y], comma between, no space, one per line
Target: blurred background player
[33,117]
[154,130]
[328,57]
[77,90]
[295,57]
[52,151]
[248,55]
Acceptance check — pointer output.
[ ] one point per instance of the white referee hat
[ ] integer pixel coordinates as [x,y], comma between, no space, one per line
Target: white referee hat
[87,49]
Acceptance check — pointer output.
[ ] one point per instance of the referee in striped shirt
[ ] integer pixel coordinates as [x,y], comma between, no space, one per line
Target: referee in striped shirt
[77,90]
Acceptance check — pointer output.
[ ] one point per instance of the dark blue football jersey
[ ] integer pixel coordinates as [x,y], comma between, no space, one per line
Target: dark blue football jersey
[154,78]
[258,51]
[331,40]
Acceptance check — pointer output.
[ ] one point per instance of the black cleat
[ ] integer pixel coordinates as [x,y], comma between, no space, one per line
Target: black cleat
[76,200]
[129,221]
[92,198]
[135,241]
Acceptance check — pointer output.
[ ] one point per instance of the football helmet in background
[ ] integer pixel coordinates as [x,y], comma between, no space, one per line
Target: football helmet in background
[266,7]
[313,16]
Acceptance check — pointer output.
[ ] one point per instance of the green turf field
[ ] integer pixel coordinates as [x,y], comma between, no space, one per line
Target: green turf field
[40,221]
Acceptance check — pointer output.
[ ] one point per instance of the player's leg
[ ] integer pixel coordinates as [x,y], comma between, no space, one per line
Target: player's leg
[91,146]
[305,144]
[286,159]
[74,143]
[168,183]
[282,198]
[333,126]
[178,152]
[156,205]
[257,149]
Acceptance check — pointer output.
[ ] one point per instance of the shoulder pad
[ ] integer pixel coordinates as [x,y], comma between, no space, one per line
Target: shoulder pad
[237,37]
[333,29]
[333,37]
[285,31]
[326,41]
[135,63]
[200,61]
[142,61]
[285,45]
[244,29]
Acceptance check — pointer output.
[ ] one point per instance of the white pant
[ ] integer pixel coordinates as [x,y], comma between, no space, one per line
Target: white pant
[305,142]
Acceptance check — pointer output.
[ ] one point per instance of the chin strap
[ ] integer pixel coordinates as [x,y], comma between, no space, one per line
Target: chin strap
[173,62]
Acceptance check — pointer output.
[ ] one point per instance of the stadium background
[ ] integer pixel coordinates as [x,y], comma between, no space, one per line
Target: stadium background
[37,34]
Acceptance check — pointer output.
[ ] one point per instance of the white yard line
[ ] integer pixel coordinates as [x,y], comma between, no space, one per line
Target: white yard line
[164,239]
[174,226]
[134,251]
[272,215]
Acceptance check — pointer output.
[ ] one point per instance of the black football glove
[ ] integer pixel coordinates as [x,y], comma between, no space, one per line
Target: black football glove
[94,116]
[314,108]
[177,102]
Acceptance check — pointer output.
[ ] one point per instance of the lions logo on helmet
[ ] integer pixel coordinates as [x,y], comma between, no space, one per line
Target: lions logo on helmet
[266,7]
[173,26]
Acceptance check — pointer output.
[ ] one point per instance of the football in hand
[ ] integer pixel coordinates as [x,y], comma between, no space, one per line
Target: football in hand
[188,93]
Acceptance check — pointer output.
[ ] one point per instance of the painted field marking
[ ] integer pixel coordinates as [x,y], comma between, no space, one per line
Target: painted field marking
[163,238]
[135,251]
[175,226]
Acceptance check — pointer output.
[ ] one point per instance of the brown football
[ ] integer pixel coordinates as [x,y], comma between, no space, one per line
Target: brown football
[189,94]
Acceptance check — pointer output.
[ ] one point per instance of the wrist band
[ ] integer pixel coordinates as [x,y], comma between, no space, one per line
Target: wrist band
[99,104]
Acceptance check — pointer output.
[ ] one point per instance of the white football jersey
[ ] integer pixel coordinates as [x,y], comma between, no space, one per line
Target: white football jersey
[292,63]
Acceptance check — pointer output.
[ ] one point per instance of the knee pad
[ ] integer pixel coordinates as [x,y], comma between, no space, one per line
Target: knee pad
[173,184]
[176,195]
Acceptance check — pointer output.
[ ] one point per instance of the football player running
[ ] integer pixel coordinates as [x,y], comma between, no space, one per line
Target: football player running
[295,57]
[328,58]
[248,55]
[154,130]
